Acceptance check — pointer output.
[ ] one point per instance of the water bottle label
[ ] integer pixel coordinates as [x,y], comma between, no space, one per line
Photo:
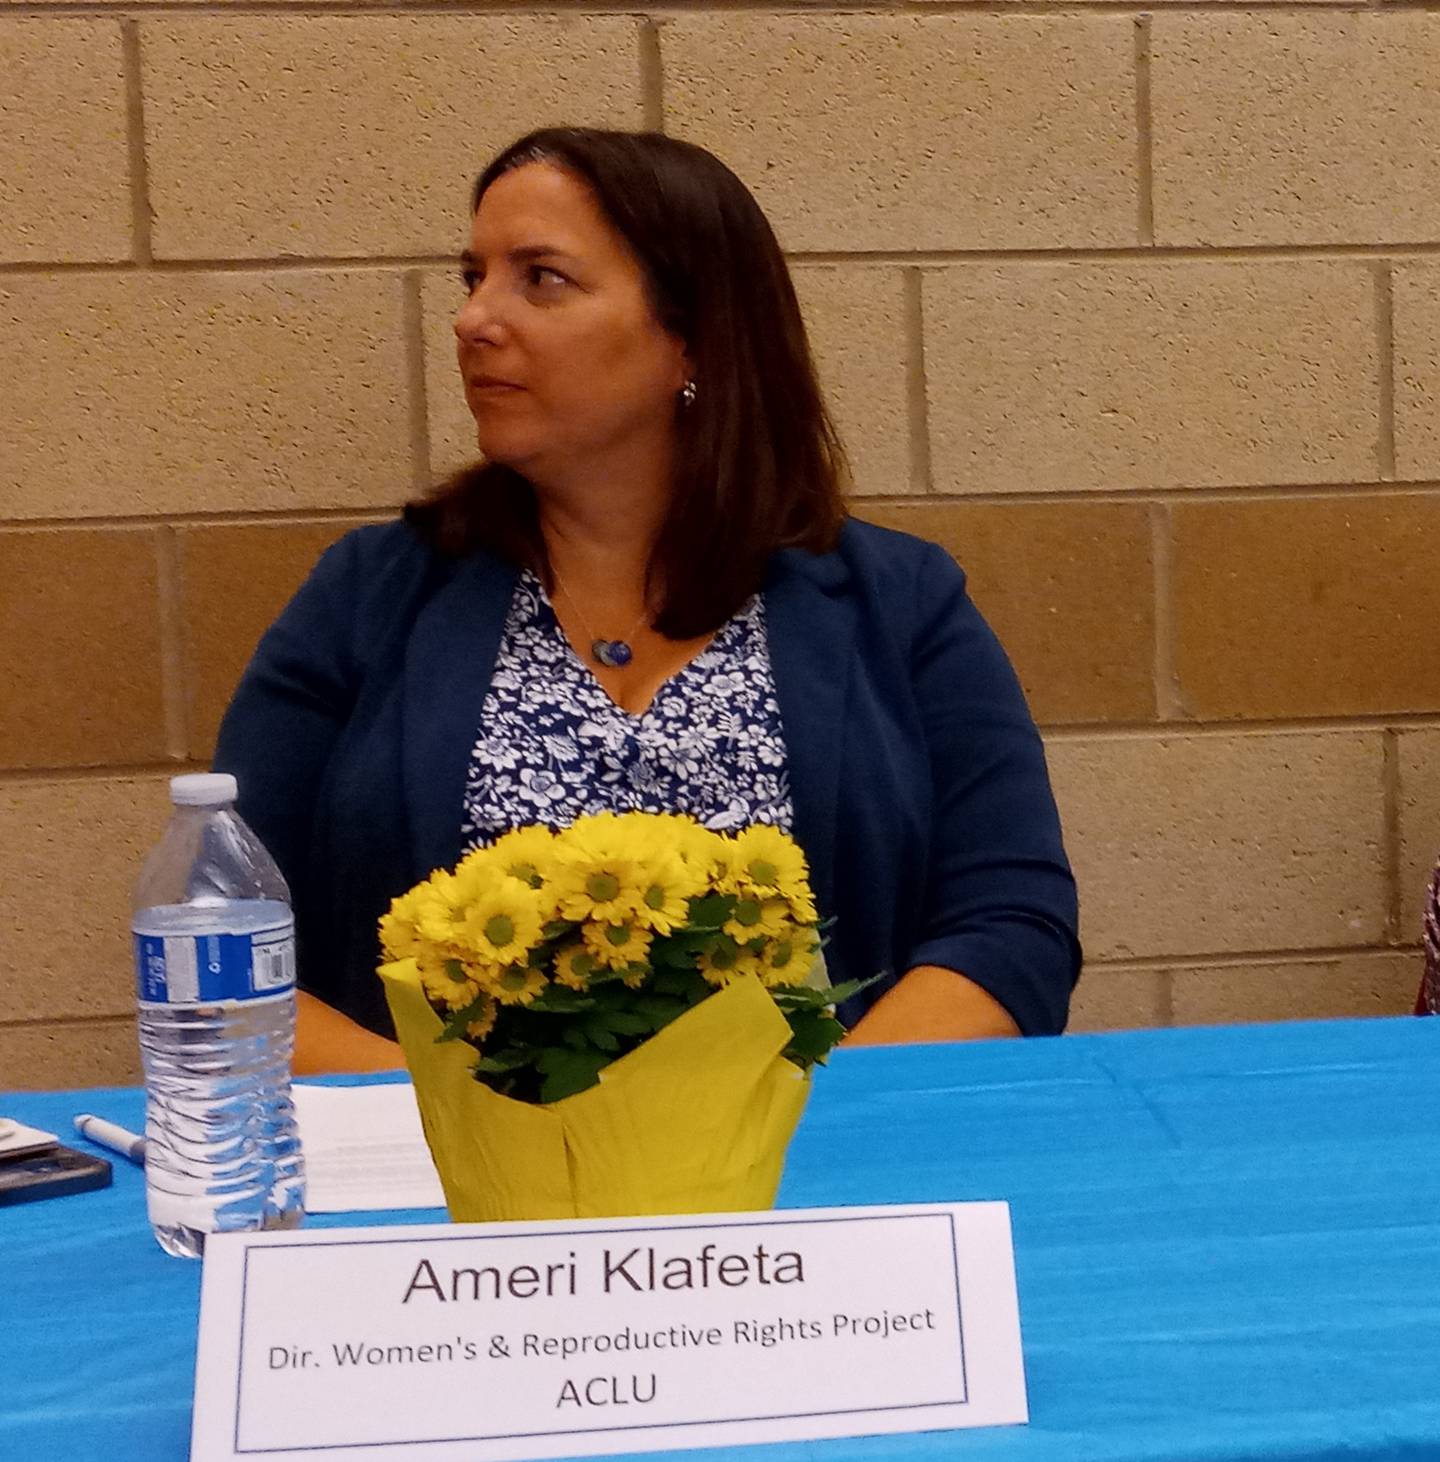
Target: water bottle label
[211,969]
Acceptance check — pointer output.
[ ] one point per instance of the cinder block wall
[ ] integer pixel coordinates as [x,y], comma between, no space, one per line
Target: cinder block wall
[1137,311]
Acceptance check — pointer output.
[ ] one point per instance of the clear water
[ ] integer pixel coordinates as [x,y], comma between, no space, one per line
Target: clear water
[222,1150]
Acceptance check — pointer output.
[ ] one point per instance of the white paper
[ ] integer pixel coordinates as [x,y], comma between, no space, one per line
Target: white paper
[364,1149]
[498,1342]
[18,1140]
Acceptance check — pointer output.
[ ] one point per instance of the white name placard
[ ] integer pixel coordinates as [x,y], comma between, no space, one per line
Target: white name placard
[514,1341]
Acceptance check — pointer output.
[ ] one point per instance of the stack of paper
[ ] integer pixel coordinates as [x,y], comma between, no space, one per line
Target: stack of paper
[364,1149]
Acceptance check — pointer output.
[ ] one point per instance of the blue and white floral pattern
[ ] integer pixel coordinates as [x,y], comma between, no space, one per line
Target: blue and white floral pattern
[552,745]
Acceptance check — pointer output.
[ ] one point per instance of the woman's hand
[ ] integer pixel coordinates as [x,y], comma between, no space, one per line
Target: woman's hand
[326,1041]
[932,1004]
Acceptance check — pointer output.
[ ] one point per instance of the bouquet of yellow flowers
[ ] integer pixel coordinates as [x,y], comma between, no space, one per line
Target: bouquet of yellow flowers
[554,953]
[614,1018]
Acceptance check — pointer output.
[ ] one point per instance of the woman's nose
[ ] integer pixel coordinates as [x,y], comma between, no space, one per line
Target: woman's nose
[476,321]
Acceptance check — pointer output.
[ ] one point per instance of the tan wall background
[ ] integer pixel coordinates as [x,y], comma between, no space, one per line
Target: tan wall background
[1136,310]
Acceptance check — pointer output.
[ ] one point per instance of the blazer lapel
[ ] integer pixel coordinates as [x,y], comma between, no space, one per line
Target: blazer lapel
[812,633]
[448,665]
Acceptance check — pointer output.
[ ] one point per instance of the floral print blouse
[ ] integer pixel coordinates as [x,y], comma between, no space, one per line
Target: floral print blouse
[552,744]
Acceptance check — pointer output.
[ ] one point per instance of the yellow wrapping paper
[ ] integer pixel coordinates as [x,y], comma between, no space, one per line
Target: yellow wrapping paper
[696,1120]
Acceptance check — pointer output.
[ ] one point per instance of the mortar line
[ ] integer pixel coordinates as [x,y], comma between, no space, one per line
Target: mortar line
[1166,963]
[1062,732]
[1239,495]
[412,326]
[1144,129]
[141,214]
[236,517]
[1165,997]
[1113,497]
[175,657]
[637,9]
[1159,254]
[1390,836]
[1055,734]
[1169,704]
[917,396]
[1385,366]
[119,772]
[47,1021]
[652,75]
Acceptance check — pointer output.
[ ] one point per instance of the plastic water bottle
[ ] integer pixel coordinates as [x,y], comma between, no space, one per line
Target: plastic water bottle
[215,965]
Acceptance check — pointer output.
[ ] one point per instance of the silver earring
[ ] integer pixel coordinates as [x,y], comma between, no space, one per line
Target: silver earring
[687,394]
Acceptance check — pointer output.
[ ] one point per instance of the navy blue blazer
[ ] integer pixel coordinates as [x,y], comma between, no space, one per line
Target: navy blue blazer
[919,783]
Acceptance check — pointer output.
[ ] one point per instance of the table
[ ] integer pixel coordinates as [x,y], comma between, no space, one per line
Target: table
[1227,1247]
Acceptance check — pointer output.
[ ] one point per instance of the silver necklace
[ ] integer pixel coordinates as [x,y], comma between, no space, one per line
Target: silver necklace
[615,654]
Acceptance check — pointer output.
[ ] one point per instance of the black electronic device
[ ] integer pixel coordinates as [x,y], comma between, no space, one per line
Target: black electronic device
[51,1174]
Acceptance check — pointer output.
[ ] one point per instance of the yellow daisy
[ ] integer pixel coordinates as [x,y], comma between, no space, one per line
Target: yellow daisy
[399,937]
[483,1024]
[503,923]
[574,964]
[526,853]
[762,859]
[596,874]
[447,983]
[725,961]
[788,961]
[517,985]
[440,909]
[697,847]
[616,945]
[755,918]
[670,884]
[475,871]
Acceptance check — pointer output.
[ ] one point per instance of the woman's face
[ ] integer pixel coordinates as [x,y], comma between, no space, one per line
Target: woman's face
[562,356]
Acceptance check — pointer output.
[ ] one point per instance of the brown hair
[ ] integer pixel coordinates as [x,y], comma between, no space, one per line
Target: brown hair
[760,464]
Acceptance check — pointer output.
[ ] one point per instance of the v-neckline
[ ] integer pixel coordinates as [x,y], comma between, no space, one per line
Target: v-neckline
[633,719]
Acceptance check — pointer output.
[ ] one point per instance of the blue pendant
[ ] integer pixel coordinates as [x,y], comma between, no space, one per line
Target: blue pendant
[614,653]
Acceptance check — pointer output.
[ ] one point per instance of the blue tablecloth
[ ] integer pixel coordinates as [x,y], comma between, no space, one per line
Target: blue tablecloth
[1226,1247]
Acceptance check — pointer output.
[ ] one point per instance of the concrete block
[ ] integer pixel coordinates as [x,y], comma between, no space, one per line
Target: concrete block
[1287,127]
[1212,844]
[64,157]
[358,135]
[198,392]
[915,132]
[1153,375]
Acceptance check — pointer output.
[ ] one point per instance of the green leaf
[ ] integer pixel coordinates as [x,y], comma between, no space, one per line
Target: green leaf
[456,1022]
[602,977]
[801,997]
[659,1010]
[675,982]
[557,1000]
[598,1034]
[625,1022]
[813,1034]
[710,911]
[569,1072]
[511,1060]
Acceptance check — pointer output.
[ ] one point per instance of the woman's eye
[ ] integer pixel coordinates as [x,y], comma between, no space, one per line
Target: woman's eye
[540,276]
[469,278]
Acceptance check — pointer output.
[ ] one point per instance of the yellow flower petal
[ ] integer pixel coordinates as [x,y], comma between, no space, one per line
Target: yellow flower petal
[614,946]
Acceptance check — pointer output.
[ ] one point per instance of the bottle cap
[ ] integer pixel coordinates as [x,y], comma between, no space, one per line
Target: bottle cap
[203,789]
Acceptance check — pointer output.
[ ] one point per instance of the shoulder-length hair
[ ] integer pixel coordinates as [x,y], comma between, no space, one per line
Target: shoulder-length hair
[759,464]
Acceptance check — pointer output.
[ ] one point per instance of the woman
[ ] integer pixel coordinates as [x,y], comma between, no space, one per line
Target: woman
[649,597]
